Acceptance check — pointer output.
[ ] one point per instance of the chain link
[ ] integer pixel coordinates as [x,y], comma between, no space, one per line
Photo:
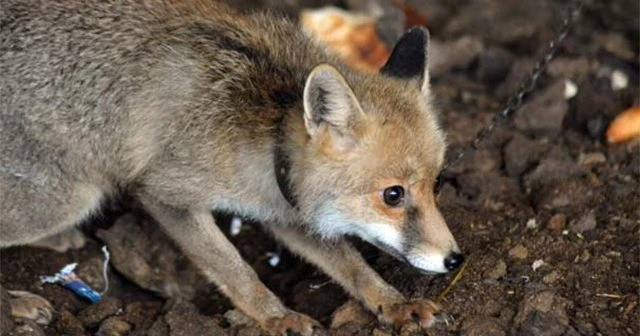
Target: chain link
[528,84]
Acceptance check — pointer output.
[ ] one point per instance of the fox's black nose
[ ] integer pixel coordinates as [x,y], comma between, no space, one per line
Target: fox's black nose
[453,260]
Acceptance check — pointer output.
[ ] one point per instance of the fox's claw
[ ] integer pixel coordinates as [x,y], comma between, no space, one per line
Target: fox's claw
[424,312]
[291,324]
[29,306]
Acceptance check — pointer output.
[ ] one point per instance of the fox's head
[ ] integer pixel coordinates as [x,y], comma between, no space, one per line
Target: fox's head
[372,155]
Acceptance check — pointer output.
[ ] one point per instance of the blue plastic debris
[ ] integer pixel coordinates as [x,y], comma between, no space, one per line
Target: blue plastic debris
[69,280]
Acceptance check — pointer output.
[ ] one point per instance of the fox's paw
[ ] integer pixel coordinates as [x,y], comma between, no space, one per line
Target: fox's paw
[293,323]
[29,306]
[424,312]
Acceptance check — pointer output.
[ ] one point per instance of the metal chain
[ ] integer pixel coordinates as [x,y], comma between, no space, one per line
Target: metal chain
[528,84]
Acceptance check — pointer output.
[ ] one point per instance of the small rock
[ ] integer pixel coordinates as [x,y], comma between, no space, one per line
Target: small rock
[584,224]
[67,324]
[537,264]
[550,278]
[616,44]
[184,319]
[28,328]
[158,328]
[556,166]
[493,65]
[619,80]
[574,192]
[140,314]
[531,224]
[483,326]
[351,312]
[519,20]
[378,332]
[570,89]
[492,308]
[445,56]
[546,302]
[542,324]
[114,326]
[95,313]
[519,70]
[488,186]
[595,105]
[591,159]
[6,322]
[521,153]
[518,252]
[584,257]
[557,222]
[498,271]
[544,113]
[574,68]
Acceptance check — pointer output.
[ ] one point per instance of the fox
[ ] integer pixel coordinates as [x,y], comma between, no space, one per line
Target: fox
[189,107]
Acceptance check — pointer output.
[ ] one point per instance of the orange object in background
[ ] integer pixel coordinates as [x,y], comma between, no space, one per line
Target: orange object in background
[351,36]
[625,126]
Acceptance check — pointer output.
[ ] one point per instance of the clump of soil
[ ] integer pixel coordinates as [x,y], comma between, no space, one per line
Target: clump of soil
[546,211]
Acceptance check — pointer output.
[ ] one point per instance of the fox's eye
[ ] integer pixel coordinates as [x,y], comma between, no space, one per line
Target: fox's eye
[393,196]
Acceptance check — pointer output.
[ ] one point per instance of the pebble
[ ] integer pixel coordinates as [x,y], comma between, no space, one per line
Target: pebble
[542,324]
[573,192]
[619,80]
[521,153]
[594,105]
[28,328]
[378,332]
[544,113]
[537,264]
[550,278]
[557,222]
[445,56]
[570,89]
[498,271]
[95,313]
[591,159]
[575,68]
[531,223]
[518,252]
[586,223]
[67,324]
[184,319]
[616,44]
[114,326]
[493,65]
[544,301]
[483,326]
[519,20]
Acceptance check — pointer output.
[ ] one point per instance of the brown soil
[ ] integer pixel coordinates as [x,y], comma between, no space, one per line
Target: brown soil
[547,212]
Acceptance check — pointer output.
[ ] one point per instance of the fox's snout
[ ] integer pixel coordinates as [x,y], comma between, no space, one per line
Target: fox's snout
[425,243]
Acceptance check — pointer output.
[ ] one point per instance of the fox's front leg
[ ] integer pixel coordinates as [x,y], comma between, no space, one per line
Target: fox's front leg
[202,241]
[345,265]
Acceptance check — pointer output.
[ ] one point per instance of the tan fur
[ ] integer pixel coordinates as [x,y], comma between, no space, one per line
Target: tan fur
[181,104]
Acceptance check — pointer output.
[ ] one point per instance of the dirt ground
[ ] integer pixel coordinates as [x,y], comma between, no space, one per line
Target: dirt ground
[547,212]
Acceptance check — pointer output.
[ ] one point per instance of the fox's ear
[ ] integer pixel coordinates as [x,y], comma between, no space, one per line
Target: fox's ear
[409,59]
[329,100]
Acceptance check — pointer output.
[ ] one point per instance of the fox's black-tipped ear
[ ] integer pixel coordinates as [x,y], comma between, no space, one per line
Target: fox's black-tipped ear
[409,59]
[329,100]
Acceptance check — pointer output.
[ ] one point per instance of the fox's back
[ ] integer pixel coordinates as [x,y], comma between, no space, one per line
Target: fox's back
[81,78]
